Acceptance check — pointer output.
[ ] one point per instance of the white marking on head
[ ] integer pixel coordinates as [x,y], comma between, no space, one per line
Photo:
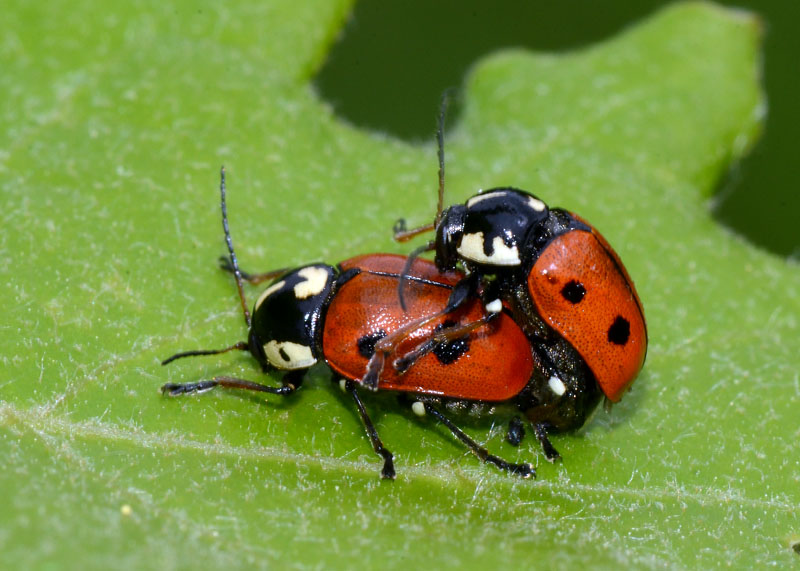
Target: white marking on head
[495,306]
[288,355]
[471,248]
[536,204]
[557,385]
[268,292]
[314,281]
[480,197]
[418,408]
[343,385]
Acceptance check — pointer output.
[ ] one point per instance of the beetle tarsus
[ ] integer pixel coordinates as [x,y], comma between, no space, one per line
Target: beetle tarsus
[387,472]
[400,226]
[549,450]
[374,370]
[175,389]
[524,471]
[516,431]
[252,279]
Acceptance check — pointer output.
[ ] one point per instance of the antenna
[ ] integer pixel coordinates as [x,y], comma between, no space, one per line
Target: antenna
[440,144]
[242,345]
[401,234]
[229,241]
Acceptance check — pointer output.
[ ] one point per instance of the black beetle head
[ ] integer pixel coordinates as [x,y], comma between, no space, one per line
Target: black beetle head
[448,237]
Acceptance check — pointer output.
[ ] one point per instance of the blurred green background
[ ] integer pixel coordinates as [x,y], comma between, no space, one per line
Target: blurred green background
[408,52]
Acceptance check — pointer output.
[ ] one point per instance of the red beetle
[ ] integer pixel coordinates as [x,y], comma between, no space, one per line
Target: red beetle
[447,347]
[566,287]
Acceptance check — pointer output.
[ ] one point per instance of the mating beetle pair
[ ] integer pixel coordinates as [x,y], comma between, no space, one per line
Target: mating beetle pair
[524,305]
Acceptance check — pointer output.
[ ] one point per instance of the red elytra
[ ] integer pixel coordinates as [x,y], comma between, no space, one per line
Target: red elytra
[607,325]
[496,366]
[353,310]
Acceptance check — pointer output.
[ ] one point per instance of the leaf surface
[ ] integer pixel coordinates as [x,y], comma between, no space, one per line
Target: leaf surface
[115,124]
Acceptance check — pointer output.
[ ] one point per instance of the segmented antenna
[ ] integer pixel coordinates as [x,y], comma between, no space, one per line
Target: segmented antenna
[234,263]
[242,345]
[440,144]
[401,234]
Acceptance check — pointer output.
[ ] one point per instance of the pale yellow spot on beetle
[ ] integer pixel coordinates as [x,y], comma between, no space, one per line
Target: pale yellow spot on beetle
[314,282]
[536,204]
[471,248]
[288,355]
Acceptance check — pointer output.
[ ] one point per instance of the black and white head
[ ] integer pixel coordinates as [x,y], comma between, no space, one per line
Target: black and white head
[491,230]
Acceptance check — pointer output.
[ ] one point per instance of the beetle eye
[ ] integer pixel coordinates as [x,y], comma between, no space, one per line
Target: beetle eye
[573,292]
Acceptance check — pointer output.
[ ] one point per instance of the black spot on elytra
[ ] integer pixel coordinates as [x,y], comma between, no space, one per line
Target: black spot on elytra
[573,292]
[366,345]
[447,352]
[620,331]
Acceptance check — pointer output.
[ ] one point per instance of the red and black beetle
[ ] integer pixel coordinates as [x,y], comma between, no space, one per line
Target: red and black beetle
[443,349]
[564,284]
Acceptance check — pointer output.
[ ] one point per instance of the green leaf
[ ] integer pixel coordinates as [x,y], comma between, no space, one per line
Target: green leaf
[115,124]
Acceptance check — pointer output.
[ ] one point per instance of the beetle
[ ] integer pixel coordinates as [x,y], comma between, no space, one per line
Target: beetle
[565,285]
[447,348]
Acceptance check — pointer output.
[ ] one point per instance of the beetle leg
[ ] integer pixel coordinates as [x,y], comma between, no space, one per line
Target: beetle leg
[254,279]
[462,291]
[516,431]
[401,233]
[549,451]
[523,470]
[446,335]
[387,472]
[386,346]
[404,363]
[291,382]
[465,289]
